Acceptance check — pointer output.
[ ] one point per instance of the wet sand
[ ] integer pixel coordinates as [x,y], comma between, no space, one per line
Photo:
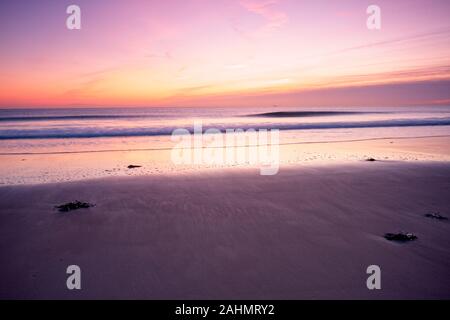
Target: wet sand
[25,169]
[307,233]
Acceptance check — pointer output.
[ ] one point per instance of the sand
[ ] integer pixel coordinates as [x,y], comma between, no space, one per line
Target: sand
[26,169]
[307,233]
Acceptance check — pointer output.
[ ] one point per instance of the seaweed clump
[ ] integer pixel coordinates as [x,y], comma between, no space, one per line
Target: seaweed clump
[66,207]
[402,237]
[132,166]
[435,216]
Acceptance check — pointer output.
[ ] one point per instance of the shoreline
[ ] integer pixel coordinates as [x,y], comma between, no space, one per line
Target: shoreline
[170,148]
[49,168]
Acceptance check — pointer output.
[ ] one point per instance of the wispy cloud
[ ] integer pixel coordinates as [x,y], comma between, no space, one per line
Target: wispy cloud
[394,76]
[274,19]
[165,55]
[441,33]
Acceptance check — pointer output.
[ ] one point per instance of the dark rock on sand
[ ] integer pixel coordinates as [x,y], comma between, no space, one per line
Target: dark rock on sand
[131,166]
[370,159]
[435,216]
[73,206]
[400,236]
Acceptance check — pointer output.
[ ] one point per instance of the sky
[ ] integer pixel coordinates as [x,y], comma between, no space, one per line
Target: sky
[224,53]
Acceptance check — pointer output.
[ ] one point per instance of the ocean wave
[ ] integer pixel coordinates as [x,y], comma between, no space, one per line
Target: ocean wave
[74,117]
[299,114]
[94,132]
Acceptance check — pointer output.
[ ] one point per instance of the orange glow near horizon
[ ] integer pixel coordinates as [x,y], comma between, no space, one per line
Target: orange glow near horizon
[149,53]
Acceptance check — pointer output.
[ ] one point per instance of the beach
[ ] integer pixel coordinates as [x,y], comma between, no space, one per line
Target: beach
[308,232]
[160,229]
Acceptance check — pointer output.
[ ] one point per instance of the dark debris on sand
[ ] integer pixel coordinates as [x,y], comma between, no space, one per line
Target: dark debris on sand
[371,159]
[403,237]
[132,166]
[435,216]
[73,206]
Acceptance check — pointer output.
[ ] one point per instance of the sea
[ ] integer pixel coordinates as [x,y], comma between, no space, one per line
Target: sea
[66,130]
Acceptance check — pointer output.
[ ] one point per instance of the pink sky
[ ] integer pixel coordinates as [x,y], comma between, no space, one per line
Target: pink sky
[224,53]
